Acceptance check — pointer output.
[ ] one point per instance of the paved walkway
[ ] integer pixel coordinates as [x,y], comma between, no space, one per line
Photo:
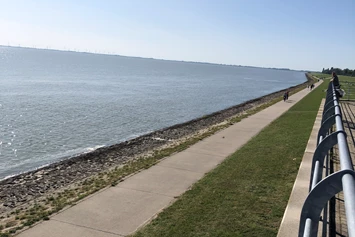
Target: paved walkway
[121,210]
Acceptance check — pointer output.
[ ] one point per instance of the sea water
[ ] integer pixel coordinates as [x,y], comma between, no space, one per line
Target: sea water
[56,104]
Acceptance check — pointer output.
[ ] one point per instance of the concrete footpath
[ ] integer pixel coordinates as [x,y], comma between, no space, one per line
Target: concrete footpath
[121,210]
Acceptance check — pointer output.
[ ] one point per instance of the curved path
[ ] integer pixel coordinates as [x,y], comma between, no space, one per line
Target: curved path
[121,210]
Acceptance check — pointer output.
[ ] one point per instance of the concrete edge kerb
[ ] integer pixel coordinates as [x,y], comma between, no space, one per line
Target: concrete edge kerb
[290,221]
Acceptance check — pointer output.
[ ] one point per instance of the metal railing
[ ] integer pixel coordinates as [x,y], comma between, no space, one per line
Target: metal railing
[322,190]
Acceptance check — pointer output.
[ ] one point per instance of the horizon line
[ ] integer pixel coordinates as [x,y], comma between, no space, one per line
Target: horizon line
[172,60]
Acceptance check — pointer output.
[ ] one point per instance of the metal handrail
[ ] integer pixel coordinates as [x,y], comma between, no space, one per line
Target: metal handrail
[322,190]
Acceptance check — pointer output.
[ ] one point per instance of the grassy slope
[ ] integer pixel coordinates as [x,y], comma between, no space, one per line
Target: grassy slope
[247,194]
[322,75]
[328,76]
[346,78]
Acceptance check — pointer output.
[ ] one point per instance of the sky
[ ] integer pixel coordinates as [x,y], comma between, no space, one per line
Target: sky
[295,34]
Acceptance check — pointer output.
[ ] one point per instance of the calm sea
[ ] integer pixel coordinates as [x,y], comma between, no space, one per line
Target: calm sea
[56,104]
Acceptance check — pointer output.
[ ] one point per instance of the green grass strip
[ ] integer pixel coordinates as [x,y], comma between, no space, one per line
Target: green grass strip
[247,194]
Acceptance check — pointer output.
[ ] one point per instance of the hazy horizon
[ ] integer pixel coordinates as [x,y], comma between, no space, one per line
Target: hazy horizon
[173,60]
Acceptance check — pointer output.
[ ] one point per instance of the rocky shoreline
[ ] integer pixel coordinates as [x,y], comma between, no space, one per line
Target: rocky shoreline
[26,187]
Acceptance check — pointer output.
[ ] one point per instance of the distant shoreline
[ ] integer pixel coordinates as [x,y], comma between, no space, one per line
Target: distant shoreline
[158,59]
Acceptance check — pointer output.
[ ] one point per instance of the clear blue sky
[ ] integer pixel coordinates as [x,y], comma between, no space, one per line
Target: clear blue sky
[296,34]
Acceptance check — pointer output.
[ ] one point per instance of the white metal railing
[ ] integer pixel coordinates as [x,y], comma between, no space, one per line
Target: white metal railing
[321,190]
